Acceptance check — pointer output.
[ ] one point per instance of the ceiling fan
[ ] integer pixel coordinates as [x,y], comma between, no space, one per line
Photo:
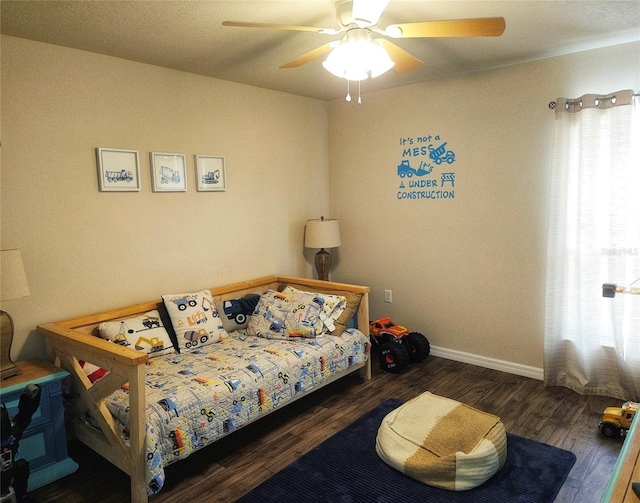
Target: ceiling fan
[358,56]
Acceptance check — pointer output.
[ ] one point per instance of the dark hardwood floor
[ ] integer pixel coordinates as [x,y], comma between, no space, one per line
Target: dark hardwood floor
[236,464]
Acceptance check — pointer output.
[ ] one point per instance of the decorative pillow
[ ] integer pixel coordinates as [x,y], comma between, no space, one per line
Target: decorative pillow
[353,302]
[195,319]
[235,313]
[332,308]
[280,315]
[349,313]
[144,333]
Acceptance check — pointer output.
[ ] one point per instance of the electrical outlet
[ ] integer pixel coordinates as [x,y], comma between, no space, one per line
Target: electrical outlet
[388,296]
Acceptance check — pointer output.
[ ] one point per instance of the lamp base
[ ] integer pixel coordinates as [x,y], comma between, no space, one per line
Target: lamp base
[323,264]
[7,367]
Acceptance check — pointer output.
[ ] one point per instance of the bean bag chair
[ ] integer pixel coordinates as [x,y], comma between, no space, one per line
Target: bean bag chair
[442,443]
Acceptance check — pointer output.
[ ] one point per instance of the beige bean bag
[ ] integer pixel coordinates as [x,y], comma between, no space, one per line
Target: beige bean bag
[442,443]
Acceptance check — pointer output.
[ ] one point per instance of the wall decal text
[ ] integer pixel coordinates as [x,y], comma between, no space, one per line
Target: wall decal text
[419,178]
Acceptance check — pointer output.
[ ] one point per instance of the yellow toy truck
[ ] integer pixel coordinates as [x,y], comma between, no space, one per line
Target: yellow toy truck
[616,421]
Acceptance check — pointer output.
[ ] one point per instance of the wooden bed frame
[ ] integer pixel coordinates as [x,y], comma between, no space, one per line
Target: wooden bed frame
[71,340]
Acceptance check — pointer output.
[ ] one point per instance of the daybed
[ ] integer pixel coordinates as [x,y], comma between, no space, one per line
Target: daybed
[143,409]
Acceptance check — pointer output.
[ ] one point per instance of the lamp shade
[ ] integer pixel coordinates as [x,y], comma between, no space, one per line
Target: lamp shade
[13,280]
[322,233]
[358,56]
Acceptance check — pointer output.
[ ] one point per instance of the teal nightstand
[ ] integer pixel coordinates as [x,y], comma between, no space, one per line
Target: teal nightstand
[44,443]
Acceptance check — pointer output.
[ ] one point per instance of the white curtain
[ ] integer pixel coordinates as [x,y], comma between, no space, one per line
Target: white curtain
[592,343]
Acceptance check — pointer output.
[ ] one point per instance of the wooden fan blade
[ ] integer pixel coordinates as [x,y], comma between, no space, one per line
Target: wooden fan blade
[479,27]
[268,26]
[404,62]
[316,53]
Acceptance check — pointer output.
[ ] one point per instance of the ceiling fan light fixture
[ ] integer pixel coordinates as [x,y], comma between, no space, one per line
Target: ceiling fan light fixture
[393,31]
[362,13]
[381,63]
[368,11]
[358,57]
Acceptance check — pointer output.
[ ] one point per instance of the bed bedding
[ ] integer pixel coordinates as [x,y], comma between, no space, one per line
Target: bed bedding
[195,398]
[153,382]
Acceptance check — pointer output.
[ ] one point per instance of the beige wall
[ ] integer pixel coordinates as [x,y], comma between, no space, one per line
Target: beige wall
[468,272]
[85,250]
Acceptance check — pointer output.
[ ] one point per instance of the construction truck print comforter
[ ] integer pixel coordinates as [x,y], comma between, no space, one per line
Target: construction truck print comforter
[195,398]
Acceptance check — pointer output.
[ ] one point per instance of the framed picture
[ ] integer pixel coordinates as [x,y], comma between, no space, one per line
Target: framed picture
[210,175]
[168,172]
[118,170]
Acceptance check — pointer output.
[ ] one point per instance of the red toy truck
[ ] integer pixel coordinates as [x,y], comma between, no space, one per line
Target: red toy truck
[397,346]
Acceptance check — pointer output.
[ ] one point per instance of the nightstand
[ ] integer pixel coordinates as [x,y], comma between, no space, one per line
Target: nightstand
[44,442]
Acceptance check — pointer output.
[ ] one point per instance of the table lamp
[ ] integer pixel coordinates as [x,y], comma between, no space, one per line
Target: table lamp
[322,234]
[13,285]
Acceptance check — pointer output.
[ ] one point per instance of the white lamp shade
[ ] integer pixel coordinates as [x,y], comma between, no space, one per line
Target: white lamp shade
[358,57]
[322,234]
[13,280]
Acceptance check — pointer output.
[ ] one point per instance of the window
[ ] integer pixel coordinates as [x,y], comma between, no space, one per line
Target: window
[592,343]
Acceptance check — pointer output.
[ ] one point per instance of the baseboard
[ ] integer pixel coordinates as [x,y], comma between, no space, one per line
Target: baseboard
[490,363]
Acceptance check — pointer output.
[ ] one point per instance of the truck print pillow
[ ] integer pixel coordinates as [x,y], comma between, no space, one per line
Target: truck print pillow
[235,313]
[195,319]
[144,333]
[332,307]
[280,315]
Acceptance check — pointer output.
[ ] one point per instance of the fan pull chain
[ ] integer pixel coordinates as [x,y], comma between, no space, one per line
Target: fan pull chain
[348,97]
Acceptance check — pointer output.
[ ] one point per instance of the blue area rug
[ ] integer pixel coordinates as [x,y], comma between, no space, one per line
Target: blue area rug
[346,469]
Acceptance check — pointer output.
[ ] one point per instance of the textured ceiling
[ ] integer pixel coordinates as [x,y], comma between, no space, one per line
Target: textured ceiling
[189,36]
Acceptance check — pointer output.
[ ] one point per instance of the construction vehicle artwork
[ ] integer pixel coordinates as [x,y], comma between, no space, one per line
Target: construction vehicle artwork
[231,382]
[228,425]
[210,415]
[440,154]
[183,302]
[120,337]
[211,177]
[616,421]
[201,380]
[169,175]
[264,402]
[255,369]
[239,309]
[177,440]
[154,343]
[237,405]
[169,406]
[208,305]
[405,169]
[194,337]
[276,326]
[119,176]
[276,319]
[150,322]
[323,365]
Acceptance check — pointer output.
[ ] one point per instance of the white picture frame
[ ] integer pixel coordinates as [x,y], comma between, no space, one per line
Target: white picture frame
[168,172]
[210,173]
[118,170]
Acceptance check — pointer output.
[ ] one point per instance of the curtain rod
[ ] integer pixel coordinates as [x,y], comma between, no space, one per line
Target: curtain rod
[552,104]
